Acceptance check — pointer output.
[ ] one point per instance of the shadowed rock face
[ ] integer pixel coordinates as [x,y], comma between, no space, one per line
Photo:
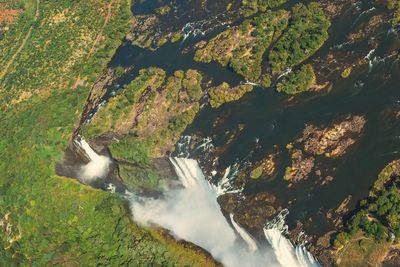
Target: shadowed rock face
[251,212]
[392,259]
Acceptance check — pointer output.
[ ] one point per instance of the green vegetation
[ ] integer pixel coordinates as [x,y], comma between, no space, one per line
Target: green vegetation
[250,7]
[163,10]
[147,117]
[63,41]
[242,47]
[117,114]
[133,150]
[371,231]
[256,172]
[385,176]
[223,93]
[287,38]
[47,219]
[298,81]
[395,6]
[380,213]
[307,32]
[139,179]
[346,72]
[153,108]
[21,16]
[362,251]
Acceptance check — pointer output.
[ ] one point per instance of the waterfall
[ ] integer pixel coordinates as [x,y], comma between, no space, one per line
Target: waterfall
[192,213]
[98,165]
[370,58]
[285,73]
[251,83]
[252,244]
[286,253]
[225,185]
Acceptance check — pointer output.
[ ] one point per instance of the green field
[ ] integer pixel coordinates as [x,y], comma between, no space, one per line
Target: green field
[46,219]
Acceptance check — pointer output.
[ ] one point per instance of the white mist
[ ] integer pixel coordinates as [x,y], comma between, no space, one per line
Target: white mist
[97,167]
[192,213]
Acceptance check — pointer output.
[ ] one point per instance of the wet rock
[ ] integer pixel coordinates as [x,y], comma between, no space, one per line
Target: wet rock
[147,33]
[264,168]
[301,167]
[99,88]
[334,8]
[368,29]
[327,180]
[254,211]
[251,212]
[229,202]
[336,216]
[332,141]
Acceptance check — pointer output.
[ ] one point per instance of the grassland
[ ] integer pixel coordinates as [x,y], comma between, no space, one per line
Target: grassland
[46,219]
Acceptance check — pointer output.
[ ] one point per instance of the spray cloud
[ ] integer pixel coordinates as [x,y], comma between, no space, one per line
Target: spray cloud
[192,213]
[97,167]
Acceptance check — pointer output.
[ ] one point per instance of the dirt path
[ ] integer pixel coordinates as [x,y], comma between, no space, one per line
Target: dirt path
[28,34]
[79,81]
[99,35]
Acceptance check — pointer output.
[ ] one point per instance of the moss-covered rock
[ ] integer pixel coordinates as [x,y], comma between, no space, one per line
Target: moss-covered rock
[346,72]
[149,114]
[224,93]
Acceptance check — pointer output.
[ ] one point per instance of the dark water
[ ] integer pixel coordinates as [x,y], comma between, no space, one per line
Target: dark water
[273,119]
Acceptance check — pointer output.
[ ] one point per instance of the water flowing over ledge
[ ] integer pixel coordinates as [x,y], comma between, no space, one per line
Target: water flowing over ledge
[98,165]
[192,213]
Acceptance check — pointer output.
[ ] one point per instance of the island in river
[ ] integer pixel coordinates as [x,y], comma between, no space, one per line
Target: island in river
[295,103]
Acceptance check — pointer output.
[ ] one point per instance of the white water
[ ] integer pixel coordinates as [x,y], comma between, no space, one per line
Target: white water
[285,73]
[251,243]
[97,167]
[192,213]
[252,83]
[225,185]
[286,253]
[370,58]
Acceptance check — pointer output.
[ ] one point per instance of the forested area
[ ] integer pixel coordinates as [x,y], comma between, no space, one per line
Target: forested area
[46,219]
[395,6]
[250,7]
[298,81]
[379,214]
[307,32]
[262,48]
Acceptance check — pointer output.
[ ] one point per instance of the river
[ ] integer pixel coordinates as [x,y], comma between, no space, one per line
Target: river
[275,119]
